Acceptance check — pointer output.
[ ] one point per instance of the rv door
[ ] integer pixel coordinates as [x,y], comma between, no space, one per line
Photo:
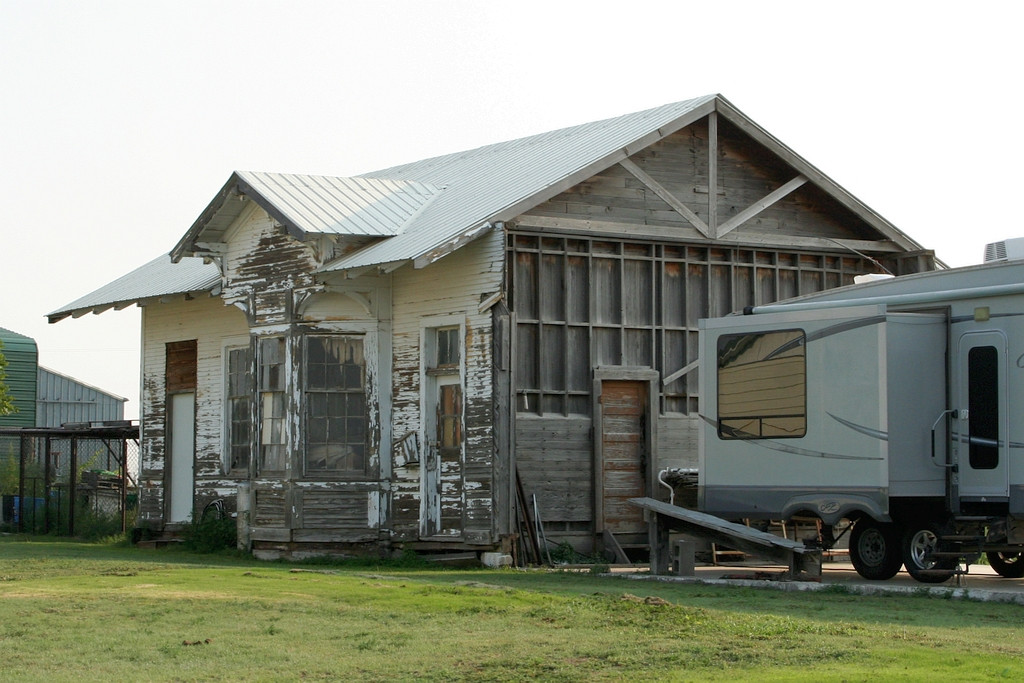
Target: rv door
[980,429]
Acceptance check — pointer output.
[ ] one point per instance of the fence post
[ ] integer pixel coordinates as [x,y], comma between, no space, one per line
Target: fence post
[123,465]
[21,484]
[47,482]
[73,486]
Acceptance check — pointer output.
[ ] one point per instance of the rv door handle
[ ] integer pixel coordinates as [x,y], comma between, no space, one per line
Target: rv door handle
[935,424]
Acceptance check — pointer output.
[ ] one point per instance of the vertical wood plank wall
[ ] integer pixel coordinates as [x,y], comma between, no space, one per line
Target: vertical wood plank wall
[633,297]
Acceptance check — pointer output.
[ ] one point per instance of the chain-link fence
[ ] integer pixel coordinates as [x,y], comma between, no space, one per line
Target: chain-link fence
[69,482]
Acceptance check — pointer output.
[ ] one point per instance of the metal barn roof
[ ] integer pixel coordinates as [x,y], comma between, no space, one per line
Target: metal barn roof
[421,211]
[158,278]
[311,205]
[343,206]
[497,182]
[500,181]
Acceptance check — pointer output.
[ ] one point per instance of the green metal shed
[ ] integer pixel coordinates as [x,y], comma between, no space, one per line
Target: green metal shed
[22,376]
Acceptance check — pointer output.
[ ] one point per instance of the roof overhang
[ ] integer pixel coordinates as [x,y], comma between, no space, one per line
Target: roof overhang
[220,214]
[158,280]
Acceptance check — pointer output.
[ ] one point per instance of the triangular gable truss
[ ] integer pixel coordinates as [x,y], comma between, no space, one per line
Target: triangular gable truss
[714,224]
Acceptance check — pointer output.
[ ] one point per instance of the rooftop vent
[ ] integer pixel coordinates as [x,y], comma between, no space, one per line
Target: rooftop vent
[1005,250]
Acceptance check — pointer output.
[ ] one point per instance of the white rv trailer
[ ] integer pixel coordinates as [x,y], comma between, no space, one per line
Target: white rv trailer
[897,405]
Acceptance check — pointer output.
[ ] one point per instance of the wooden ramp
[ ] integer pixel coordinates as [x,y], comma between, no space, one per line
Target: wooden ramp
[804,563]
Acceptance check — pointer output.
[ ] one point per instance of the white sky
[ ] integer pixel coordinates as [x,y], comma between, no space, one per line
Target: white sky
[119,121]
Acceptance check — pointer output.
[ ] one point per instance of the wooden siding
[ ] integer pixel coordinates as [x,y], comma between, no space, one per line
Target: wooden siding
[270,274]
[270,509]
[677,442]
[449,289]
[556,463]
[211,324]
[265,267]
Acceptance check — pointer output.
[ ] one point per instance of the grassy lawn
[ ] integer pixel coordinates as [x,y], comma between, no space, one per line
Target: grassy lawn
[76,611]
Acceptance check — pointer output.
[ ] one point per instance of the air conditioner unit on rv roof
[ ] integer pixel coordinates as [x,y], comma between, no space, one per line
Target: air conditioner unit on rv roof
[1006,250]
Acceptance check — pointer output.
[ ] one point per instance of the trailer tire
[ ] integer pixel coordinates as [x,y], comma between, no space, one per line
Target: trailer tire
[1007,565]
[875,549]
[919,542]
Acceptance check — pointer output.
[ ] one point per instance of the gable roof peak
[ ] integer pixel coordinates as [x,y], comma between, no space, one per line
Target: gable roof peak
[313,204]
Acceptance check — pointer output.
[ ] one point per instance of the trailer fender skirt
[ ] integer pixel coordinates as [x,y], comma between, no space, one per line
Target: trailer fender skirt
[832,507]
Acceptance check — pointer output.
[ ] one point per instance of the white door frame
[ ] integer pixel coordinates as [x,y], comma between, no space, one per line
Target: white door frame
[180,481]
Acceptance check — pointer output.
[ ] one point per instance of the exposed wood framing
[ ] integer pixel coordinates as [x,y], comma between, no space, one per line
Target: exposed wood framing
[685,370]
[759,206]
[847,200]
[489,301]
[713,174]
[584,226]
[669,198]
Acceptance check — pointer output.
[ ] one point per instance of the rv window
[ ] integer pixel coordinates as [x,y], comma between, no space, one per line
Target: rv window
[762,387]
[983,407]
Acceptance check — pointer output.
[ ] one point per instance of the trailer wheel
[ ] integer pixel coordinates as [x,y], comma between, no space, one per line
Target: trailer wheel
[1007,565]
[919,542]
[875,549]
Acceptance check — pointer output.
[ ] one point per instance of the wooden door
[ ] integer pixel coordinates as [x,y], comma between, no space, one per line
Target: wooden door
[444,452]
[622,465]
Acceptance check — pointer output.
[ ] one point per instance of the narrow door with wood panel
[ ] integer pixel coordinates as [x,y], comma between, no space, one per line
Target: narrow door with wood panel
[444,449]
[622,466]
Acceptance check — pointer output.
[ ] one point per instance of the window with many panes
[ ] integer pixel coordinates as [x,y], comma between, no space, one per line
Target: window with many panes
[447,354]
[239,409]
[335,404]
[272,403]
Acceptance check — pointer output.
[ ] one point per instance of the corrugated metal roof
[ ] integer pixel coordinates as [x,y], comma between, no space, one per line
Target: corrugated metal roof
[490,183]
[343,206]
[423,210]
[160,277]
